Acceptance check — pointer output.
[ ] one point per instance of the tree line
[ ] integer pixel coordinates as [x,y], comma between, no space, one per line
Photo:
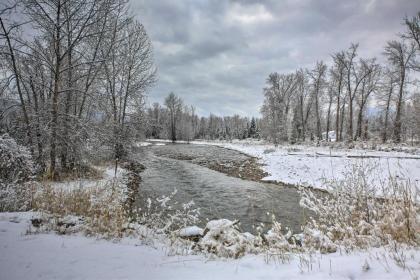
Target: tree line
[177,121]
[352,99]
[74,74]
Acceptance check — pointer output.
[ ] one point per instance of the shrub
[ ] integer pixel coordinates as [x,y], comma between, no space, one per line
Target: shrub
[166,216]
[354,215]
[16,165]
[16,173]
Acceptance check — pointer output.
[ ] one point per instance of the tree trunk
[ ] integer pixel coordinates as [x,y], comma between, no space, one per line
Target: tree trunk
[388,104]
[342,120]
[318,120]
[302,119]
[350,129]
[359,123]
[65,140]
[37,126]
[328,119]
[366,130]
[397,124]
[54,103]
[337,119]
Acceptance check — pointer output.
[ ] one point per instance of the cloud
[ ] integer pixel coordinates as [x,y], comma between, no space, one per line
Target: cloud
[250,14]
[216,54]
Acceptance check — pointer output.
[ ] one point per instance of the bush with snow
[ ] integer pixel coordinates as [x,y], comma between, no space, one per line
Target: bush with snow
[280,243]
[16,165]
[16,173]
[278,247]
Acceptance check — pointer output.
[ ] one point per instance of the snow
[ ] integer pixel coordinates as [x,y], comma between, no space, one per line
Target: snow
[143,144]
[225,240]
[108,174]
[150,142]
[191,231]
[313,166]
[51,256]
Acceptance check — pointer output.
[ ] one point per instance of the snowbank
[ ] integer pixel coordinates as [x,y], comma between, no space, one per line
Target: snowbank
[50,256]
[313,166]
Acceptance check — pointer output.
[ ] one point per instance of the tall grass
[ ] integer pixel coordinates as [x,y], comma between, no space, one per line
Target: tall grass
[355,215]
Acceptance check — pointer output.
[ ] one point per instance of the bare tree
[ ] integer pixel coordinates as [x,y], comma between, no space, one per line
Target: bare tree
[388,84]
[330,96]
[355,75]
[277,102]
[174,106]
[413,29]
[9,52]
[129,72]
[318,83]
[368,86]
[337,74]
[400,55]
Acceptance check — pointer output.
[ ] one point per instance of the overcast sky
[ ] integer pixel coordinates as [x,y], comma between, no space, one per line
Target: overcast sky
[216,55]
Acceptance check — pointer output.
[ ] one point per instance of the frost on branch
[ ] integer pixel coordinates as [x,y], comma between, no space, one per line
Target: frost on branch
[167,216]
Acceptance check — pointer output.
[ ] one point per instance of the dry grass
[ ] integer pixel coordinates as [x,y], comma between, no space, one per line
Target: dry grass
[352,215]
[76,173]
[101,207]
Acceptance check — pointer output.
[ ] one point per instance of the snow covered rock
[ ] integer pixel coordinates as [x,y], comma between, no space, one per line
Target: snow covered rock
[222,238]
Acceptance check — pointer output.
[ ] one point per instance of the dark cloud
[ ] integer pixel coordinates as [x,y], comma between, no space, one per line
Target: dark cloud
[216,54]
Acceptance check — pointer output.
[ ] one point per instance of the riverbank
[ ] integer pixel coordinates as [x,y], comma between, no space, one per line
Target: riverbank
[318,166]
[234,163]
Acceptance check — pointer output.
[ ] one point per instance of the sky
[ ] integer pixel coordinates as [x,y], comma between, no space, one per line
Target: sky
[216,55]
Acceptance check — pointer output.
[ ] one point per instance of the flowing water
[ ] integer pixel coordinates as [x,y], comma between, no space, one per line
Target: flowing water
[216,194]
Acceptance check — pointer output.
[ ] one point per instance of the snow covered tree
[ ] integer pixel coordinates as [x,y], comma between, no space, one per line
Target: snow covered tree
[252,132]
[80,74]
[318,76]
[400,54]
[277,102]
[174,105]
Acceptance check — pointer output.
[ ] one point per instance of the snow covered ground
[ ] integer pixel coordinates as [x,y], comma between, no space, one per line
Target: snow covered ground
[312,166]
[51,256]
[108,173]
[74,256]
